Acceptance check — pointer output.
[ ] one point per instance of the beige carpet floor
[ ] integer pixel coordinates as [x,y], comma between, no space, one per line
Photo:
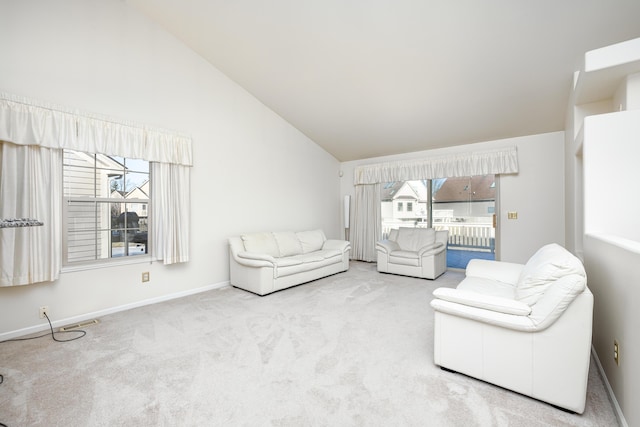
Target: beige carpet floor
[353,349]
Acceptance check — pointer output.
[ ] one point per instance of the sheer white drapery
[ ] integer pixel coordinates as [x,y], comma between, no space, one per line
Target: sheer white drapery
[500,161]
[30,187]
[170,219]
[26,122]
[367,222]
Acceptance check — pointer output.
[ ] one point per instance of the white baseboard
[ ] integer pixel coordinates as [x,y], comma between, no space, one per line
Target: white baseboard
[87,316]
[616,407]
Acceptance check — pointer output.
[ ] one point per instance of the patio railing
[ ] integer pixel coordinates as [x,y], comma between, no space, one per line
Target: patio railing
[474,236]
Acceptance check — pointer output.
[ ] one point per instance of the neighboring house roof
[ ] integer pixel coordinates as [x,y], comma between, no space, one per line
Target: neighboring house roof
[412,190]
[475,189]
[137,193]
[389,189]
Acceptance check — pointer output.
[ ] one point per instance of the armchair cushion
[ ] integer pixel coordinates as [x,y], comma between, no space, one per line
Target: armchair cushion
[404,258]
[547,265]
[413,239]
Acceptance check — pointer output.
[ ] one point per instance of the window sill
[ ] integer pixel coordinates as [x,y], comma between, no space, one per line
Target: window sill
[139,259]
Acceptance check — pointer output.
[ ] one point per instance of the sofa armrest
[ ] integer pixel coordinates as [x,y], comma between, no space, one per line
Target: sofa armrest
[340,245]
[251,259]
[490,317]
[505,272]
[487,302]
[431,249]
[387,246]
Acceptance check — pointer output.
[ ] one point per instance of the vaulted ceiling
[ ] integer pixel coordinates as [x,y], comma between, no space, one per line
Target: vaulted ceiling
[365,78]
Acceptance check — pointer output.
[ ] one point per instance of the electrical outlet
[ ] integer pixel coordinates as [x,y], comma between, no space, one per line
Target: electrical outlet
[616,352]
[44,310]
[145,276]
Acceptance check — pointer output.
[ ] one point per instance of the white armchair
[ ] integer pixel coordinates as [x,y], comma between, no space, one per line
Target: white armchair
[417,252]
[526,328]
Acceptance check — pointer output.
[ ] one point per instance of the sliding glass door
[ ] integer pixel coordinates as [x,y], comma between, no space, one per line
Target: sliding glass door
[465,206]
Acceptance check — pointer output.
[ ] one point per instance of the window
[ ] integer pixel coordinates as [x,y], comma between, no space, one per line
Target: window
[105,207]
[409,206]
[400,207]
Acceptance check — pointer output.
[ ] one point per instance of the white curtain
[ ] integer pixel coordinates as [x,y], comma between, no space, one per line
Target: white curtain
[30,187]
[367,222]
[498,161]
[170,218]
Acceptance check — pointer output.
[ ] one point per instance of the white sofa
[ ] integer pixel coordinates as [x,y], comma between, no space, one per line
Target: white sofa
[526,328]
[417,252]
[267,262]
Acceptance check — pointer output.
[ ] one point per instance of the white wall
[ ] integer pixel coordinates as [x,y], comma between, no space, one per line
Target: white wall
[602,211]
[612,247]
[611,153]
[536,192]
[613,278]
[252,171]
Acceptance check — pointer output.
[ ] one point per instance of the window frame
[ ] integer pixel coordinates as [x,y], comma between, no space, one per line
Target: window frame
[68,200]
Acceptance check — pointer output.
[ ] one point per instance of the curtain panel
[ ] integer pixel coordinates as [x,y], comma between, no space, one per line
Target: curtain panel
[26,122]
[499,161]
[367,222]
[30,187]
[170,213]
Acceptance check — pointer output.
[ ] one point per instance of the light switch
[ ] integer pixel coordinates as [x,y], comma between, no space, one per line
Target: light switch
[512,215]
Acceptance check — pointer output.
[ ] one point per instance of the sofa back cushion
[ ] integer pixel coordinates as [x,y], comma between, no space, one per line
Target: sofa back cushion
[261,243]
[311,240]
[288,243]
[549,264]
[412,239]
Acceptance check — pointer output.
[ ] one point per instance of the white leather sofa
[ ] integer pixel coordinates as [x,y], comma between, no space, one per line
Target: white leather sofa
[526,328]
[417,252]
[267,262]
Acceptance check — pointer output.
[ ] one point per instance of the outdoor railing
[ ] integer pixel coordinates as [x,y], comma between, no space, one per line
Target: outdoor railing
[476,236]
[472,236]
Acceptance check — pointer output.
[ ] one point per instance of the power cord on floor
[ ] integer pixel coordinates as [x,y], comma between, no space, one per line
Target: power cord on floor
[53,336]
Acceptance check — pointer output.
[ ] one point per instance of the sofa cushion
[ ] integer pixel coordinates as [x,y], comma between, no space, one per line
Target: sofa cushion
[288,243]
[412,239]
[550,263]
[487,286]
[311,240]
[404,258]
[263,243]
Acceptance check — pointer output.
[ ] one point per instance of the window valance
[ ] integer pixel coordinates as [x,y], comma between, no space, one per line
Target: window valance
[499,161]
[25,122]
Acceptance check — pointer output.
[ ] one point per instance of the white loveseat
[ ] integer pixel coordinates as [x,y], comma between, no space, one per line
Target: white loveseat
[417,252]
[526,328]
[267,262]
